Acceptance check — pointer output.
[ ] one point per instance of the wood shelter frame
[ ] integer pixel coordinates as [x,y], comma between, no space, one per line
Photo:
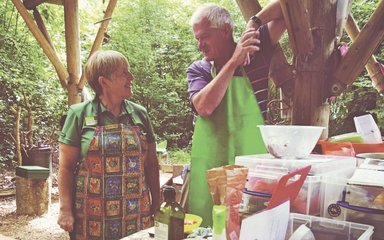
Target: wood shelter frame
[311,30]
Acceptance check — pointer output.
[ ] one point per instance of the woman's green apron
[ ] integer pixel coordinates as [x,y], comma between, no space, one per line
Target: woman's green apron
[230,131]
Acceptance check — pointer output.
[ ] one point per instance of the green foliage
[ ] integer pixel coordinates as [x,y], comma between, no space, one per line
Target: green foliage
[156,37]
[179,156]
[361,97]
[25,73]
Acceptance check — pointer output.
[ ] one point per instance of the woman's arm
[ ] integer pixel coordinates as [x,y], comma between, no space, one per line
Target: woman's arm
[152,176]
[68,157]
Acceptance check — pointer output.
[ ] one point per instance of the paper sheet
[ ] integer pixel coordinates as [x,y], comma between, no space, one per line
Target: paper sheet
[367,177]
[266,225]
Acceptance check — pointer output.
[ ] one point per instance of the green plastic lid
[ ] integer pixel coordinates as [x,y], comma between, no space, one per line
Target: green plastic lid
[34,172]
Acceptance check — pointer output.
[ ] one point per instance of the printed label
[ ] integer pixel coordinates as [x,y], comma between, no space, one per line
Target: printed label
[161,231]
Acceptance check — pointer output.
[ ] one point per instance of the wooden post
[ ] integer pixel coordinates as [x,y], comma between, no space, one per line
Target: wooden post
[33,196]
[309,98]
[300,36]
[372,66]
[30,4]
[72,39]
[100,35]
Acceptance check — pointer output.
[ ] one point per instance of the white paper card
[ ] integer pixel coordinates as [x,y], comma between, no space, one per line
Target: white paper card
[266,225]
[367,127]
[367,177]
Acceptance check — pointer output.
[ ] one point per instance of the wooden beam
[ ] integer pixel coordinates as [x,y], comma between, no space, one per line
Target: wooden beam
[72,39]
[248,8]
[31,4]
[288,25]
[41,26]
[48,50]
[100,35]
[297,20]
[360,51]
[372,66]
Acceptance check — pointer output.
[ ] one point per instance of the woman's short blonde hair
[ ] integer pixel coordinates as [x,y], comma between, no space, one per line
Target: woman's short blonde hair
[103,64]
[217,15]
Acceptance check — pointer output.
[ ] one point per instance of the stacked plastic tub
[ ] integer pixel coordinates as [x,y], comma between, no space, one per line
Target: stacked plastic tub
[265,171]
[319,228]
[357,199]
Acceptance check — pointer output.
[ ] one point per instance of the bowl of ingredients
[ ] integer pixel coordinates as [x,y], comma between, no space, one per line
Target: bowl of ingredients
[191,222]
[290,141]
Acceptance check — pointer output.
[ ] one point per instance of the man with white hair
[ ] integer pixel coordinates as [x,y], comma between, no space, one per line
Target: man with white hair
[228,91]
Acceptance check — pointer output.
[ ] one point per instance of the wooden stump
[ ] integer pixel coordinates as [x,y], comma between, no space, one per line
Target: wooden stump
[33,196]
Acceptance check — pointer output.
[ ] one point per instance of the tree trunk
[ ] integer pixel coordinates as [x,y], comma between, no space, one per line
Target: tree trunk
[312,73]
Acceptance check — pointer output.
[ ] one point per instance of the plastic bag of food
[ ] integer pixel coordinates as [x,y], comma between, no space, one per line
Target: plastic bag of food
[226,186]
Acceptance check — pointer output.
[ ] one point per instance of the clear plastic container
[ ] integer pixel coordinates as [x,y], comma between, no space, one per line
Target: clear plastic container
[265,171]
[328,229]
[321,164]
[260,185]
[355,203]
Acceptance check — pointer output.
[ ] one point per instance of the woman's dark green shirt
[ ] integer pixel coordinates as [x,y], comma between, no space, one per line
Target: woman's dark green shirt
[82,119]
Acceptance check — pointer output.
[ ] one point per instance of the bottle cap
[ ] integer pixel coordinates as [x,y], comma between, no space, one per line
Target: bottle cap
[169,192]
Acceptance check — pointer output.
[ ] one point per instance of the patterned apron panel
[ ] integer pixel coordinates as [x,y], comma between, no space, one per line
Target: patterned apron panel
[112,197]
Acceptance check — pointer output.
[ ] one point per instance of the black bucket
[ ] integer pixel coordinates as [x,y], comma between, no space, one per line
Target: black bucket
[41,156]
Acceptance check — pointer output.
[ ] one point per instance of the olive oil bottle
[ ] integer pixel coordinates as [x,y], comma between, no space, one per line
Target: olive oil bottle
[169,218]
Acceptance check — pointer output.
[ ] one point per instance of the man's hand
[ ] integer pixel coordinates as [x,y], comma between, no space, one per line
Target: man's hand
[247,46]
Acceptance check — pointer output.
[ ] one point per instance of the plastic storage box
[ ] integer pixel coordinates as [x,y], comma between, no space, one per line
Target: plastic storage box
[328,229]
[321,164]
[260,185]
[265,171]
[355,203]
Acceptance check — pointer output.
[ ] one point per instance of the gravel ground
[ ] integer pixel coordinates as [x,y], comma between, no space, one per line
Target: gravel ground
[13,226]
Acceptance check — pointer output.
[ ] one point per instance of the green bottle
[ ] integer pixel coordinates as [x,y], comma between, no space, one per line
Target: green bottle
[169,218]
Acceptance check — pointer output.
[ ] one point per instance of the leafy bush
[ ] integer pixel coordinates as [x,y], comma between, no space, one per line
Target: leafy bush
[179,156]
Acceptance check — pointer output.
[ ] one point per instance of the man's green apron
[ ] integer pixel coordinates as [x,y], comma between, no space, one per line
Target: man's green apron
[230,131]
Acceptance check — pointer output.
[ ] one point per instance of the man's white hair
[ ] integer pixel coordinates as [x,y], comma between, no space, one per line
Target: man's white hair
[218,16]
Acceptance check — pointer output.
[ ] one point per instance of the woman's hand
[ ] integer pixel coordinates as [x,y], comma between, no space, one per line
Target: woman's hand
[66,220]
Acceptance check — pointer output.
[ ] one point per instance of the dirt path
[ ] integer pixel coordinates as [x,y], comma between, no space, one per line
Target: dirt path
[30,227]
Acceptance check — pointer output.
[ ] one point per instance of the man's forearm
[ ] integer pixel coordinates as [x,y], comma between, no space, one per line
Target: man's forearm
[269,13]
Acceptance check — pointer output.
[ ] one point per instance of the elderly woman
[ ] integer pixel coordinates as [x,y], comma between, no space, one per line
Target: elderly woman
[108,170]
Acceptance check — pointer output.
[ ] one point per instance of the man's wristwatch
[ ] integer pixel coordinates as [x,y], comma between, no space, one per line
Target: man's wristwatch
[256,20]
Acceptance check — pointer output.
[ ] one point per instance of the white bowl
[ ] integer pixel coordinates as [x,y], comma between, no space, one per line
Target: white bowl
[290,141]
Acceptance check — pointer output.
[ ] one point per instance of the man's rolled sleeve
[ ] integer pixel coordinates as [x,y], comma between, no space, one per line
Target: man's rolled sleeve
[198,76]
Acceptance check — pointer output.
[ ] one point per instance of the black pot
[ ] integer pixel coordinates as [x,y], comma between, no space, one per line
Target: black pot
[39,156]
